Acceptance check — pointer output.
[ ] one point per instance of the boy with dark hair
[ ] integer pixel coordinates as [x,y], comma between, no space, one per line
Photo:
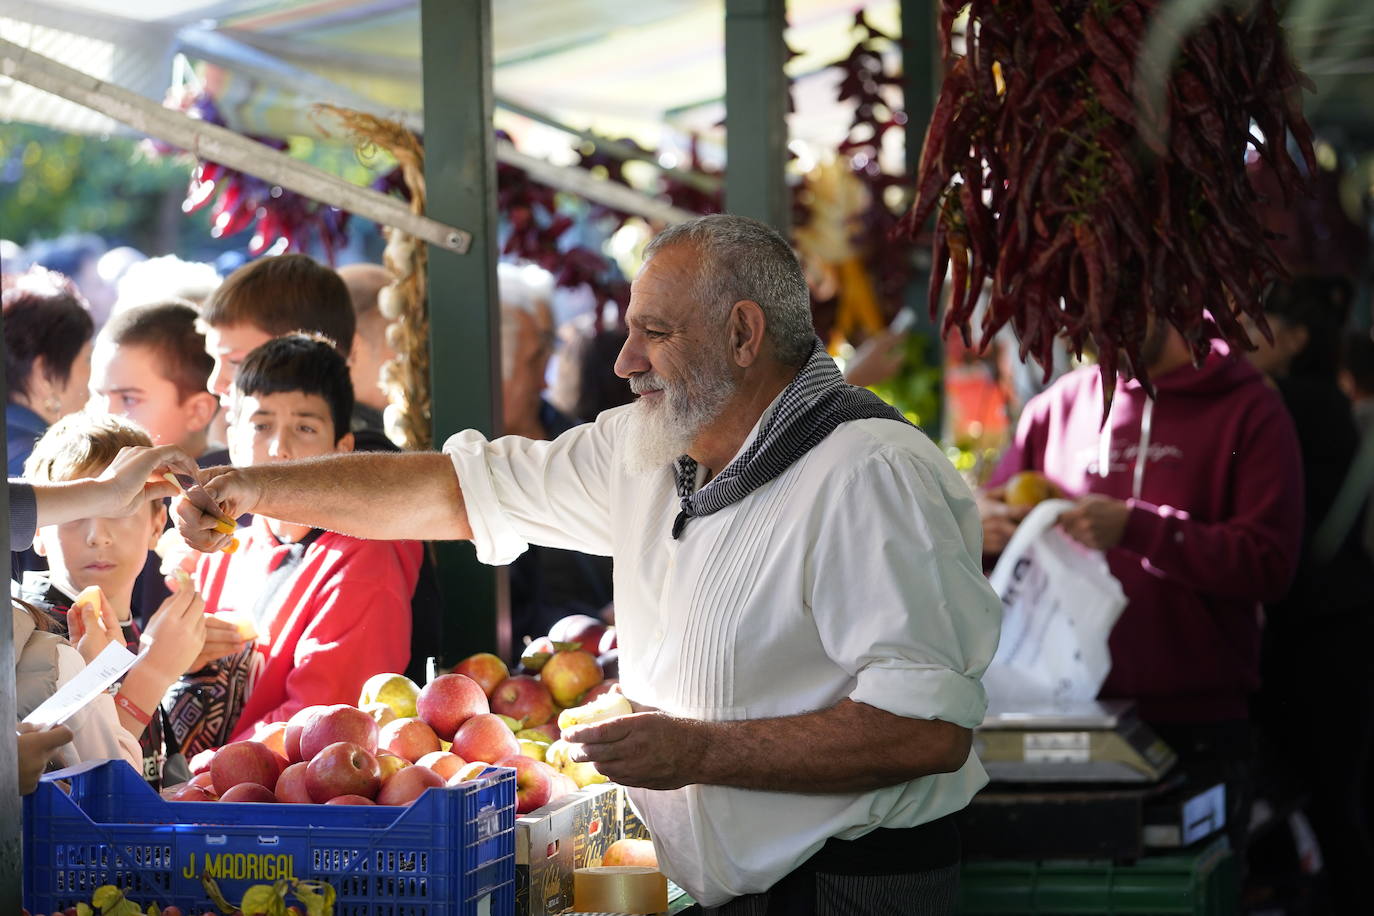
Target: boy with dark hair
[150,366]
[268,298]
[281,295]
[330,610]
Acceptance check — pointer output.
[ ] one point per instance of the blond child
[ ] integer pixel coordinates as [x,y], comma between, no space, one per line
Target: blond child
[110,553]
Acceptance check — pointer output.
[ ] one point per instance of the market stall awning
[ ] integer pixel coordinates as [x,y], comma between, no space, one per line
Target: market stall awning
[619,68]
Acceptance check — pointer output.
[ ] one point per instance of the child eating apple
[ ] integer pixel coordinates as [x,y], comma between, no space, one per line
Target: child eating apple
[92,566]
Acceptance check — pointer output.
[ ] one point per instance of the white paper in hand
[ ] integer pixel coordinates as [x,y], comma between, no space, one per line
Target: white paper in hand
[96,678]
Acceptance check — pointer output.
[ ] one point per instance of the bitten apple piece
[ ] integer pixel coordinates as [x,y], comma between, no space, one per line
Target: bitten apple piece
[606,706]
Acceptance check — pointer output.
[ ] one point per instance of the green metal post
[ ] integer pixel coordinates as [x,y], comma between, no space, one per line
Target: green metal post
[11,811]
[756,112]
[465,327]
[920,83]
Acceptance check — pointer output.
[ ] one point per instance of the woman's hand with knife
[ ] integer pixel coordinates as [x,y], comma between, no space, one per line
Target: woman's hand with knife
[133,479]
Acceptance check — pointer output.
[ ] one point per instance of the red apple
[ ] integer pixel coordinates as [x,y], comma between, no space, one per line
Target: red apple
[291,738]
[389,765]
[536,654]
[604,687]
[339,723]
[408,738]
[523,697]
[570,674]
[485,737]
[244,761]
[350,800]
[189,792]
[205,780]
[445,763]
[486,669]
[249,792]
[343,768]
[273,735]
[608,642]
[291,787]
[408,785]
[467,771]
[565,785]
[448,701]
[579,628]
[534,782]
[631,852]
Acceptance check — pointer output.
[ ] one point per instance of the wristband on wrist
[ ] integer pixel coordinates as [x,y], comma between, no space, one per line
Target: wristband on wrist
[127,705]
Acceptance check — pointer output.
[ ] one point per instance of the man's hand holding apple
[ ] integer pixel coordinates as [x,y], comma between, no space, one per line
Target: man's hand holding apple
[222,493]
[647,750]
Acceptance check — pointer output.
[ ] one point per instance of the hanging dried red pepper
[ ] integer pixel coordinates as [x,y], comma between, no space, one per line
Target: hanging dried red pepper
[1083,206]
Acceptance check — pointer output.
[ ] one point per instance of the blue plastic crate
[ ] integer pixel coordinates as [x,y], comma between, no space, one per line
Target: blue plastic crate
[449,853]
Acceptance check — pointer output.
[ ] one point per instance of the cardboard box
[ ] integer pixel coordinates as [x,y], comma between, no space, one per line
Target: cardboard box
[573,832]
[631,827]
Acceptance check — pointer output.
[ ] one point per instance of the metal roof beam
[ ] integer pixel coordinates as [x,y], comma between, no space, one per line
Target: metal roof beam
[219,144]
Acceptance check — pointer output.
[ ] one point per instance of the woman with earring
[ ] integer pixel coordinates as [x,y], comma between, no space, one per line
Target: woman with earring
[48,332]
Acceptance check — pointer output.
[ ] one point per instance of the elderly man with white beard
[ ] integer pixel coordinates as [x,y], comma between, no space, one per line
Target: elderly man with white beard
[802,616]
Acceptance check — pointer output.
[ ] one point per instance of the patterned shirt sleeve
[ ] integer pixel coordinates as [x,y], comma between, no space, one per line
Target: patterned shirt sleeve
[23,515]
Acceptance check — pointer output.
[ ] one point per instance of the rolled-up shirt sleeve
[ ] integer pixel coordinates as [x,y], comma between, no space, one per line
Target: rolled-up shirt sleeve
[898,594]
[519,492]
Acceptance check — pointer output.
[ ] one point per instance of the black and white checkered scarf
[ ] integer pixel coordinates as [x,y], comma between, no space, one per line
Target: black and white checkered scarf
[809,409]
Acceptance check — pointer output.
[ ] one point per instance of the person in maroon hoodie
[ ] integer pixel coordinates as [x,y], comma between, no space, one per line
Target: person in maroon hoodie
[1196,497]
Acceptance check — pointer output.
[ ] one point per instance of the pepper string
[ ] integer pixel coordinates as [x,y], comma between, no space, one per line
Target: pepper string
[1085,207]
[542,224]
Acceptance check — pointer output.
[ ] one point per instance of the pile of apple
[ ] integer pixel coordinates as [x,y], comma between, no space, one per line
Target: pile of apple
[574,665]
[400,740]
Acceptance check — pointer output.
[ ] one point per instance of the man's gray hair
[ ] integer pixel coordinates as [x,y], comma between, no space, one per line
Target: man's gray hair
[742,258]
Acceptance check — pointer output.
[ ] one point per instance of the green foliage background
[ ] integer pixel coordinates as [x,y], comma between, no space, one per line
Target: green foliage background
[53,183]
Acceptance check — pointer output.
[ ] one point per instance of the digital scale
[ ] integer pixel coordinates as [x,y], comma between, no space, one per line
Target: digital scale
[1094,741]
[1083,780]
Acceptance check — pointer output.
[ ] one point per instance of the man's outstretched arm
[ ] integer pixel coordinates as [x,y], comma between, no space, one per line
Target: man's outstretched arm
[368,495]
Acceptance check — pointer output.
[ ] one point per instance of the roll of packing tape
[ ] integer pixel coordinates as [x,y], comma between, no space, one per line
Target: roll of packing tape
[620,889]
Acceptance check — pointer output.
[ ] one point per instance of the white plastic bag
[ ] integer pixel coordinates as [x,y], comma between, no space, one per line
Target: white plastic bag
[1059,604]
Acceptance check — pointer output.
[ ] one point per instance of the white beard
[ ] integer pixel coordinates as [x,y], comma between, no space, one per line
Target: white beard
[661,431]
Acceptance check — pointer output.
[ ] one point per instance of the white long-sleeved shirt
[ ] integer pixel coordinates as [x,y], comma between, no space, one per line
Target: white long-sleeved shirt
[853,574]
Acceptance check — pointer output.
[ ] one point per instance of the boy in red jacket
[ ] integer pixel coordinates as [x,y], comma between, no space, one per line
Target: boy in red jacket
[329,610]
[1196,497]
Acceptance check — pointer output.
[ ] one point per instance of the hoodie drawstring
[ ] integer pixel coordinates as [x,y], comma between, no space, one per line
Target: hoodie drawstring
[1143,454]
[1104,444]
[1104,447]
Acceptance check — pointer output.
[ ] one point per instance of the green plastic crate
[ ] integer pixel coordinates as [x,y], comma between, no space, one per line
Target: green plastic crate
[1201,883]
